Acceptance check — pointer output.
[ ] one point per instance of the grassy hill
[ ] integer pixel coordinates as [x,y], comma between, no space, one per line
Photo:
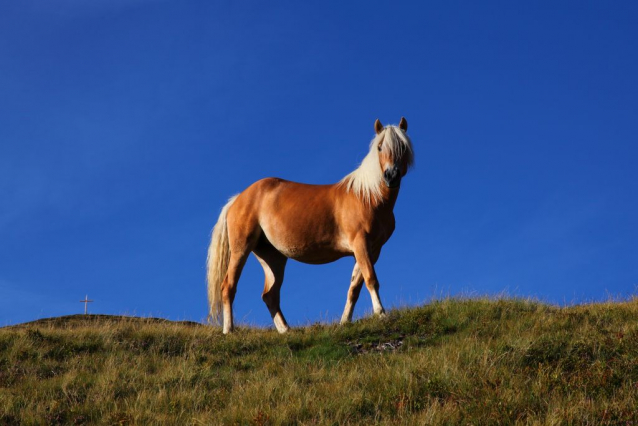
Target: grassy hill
[449,362]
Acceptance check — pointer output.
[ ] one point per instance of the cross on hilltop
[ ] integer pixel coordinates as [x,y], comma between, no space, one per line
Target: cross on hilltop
[86,302]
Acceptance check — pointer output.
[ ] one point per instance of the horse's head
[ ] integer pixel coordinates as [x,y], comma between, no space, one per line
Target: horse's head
[395,151]
[388,160]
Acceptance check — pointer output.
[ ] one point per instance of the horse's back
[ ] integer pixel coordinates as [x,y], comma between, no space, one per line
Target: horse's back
[280,194]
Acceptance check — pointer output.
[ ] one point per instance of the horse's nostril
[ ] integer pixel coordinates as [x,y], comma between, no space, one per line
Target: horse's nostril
[392,177]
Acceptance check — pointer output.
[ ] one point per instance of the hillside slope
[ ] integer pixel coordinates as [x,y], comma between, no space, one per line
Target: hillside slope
[452,361]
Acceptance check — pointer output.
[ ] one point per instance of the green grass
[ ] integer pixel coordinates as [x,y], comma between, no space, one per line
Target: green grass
[450,362]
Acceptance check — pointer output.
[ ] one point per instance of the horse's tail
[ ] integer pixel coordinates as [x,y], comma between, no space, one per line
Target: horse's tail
[217,264]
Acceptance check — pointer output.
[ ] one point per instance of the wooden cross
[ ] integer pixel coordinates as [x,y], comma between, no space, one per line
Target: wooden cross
[86,301]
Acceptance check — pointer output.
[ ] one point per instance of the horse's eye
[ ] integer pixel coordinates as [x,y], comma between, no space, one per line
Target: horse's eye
[379,148]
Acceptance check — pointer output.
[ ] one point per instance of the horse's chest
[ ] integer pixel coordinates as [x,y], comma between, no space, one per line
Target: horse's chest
[381,230]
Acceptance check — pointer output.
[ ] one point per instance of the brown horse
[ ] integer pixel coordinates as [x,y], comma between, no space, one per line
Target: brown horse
[277,220]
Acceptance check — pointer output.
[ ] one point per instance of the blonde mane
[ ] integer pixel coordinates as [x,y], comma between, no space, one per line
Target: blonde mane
[365,182]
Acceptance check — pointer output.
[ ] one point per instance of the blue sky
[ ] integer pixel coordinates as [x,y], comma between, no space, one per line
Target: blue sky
[125,125]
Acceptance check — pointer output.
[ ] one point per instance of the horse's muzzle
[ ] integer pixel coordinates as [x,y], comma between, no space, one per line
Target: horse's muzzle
[392,177]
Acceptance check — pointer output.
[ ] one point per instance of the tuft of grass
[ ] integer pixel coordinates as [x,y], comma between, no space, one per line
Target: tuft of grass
[453,361]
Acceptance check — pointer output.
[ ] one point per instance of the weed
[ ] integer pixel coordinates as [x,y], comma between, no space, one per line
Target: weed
[450,362]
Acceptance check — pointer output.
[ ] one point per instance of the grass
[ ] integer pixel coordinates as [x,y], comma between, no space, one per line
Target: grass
[450,362]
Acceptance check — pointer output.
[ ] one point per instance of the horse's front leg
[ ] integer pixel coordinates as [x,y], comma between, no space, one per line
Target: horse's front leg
[366,265]
[356,282]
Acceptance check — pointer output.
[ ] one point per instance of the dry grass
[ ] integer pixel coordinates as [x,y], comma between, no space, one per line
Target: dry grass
[450,362]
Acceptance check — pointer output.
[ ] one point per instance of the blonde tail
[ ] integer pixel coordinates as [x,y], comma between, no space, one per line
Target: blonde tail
[217,264]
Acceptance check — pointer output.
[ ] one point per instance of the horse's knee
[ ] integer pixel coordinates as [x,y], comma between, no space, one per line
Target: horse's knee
[353,292]
[373,285]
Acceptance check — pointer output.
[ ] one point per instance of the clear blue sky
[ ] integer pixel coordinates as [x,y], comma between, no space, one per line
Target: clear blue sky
[125,125]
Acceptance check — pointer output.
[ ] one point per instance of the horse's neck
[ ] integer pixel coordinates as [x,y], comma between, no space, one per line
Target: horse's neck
[388,199]
[384,206]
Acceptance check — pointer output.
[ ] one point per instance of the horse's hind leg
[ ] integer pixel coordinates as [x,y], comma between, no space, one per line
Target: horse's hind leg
[241,240]
[229,287]
[274,264]
[356,282]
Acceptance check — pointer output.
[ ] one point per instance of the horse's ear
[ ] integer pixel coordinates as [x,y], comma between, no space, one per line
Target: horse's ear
[403,124]
[378,127]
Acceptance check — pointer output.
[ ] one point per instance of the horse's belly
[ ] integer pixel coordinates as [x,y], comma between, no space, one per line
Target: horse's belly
[306,244]
[314,257]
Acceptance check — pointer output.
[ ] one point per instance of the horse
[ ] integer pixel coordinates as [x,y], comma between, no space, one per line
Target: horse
[277,220]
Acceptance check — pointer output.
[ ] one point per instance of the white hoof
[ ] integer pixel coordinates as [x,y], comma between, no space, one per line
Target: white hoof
[280,324]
